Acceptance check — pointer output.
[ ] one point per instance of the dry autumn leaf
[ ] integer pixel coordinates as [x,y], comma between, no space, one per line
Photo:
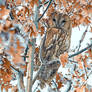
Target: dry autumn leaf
[64,3]
[57,77]
[90,29]
[59,85]
[89,52]
[42,30]
[58,81]
[18,2]
[64,59]
[80,89]
[16,53]
[33,33]
[85,61]
[3,11]
[78,58]
[1,27]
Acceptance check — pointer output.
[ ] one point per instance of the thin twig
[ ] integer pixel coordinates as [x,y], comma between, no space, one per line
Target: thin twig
[20,82]
[45,10]
[55,85]
[85,82]
[82,38]
[25,54]
[36,88]
[43,4]
[68,86]
[79,52]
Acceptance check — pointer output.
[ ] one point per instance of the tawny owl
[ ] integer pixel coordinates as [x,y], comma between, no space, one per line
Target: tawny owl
[58,36]
[55,42]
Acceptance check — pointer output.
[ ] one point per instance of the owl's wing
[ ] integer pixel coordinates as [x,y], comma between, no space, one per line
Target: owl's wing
[51,37]
[48,44]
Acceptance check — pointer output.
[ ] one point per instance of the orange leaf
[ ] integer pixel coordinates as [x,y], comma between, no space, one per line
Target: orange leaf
[80,65]
[64,59]
[42,30]
[38,90]
[87,20]
[64,3]
[33,2]
[18,1]
[91,29]
[59,85]
[57,77]
[1,27]
[77,74]
[90,53]
[16,53]
[33,33]
[19,47]
[80,89]
[26,1]
[58,81]
[83,1]
[3,11]
[86,89]
[76,4]
[37,50]
[83,79]
[78,57]
[85,61]
[14,89]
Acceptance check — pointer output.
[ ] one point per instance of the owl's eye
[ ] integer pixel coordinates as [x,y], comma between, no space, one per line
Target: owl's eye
[63,21]
[54,20]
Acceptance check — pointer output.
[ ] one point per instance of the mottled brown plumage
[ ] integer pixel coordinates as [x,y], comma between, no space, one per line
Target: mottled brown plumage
[48,71]
[54,43]
[58,36]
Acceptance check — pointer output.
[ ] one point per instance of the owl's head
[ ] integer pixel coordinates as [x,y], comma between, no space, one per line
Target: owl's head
[59,20]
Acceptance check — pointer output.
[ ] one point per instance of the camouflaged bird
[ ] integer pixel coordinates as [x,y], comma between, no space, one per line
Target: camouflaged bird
[55,42]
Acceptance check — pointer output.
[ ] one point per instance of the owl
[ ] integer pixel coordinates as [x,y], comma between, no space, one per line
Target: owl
[55,42]
[58,36]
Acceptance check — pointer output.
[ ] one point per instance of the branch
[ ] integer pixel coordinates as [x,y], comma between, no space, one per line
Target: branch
[36,88]
[37,74]
[30,66]
[32,57]
[36,16]
[79,52]
[68,86]
[19,76]
[45,10]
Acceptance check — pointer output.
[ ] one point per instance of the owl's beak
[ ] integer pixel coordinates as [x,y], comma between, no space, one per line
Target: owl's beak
[58,62]
[57,26]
